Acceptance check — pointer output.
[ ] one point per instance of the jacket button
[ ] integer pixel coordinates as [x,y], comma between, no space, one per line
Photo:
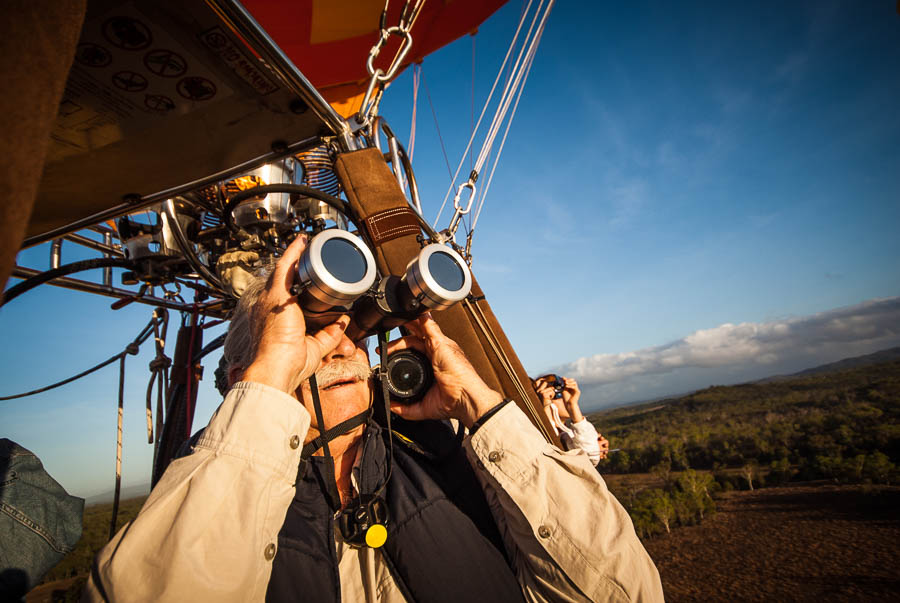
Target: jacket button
[544,532]
[295,442]
[270,551]
[494,456]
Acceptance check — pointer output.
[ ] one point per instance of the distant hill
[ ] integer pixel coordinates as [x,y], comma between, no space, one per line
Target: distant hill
[880,357]
[125,494]
[888,355]
[829,424]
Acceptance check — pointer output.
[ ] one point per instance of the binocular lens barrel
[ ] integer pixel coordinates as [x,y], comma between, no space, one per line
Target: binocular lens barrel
[336,269]
[438,277]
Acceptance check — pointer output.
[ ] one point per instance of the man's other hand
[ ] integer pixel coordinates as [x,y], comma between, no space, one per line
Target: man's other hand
[571,395]
[604,446]
[458,392]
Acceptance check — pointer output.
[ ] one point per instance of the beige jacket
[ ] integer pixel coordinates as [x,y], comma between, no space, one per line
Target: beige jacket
[209,530]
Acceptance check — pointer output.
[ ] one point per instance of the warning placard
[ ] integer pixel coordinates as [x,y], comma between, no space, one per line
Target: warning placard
[128,74]
[218,41]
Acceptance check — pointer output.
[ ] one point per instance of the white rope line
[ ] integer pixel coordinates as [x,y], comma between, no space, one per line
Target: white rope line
[512,45]
[510,97]
[506,98]
[416,77]
[527,69]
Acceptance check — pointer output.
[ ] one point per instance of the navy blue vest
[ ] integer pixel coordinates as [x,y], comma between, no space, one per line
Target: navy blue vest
[442,545]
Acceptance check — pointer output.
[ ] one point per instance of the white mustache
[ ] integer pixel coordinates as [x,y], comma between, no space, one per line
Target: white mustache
[338,370]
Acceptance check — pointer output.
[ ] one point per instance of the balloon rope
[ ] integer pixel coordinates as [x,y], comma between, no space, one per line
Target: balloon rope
[512,45]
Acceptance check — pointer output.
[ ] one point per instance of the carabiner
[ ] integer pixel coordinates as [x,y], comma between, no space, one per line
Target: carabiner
[398,59]
[469,185]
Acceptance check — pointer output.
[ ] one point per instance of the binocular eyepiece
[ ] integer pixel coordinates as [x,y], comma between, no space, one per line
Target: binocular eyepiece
[336,275]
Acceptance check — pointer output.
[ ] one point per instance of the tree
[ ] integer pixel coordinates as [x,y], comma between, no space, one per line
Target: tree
[749,471]
[662,508]
[663,469]
[879,468]
[696,486]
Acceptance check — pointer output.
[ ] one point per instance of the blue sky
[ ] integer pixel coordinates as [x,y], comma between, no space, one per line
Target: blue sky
[701,193]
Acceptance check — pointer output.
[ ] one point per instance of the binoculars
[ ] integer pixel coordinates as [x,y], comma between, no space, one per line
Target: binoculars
[557,383]
[337,275]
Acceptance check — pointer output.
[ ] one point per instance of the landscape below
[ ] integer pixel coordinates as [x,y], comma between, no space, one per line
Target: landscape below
[781,490]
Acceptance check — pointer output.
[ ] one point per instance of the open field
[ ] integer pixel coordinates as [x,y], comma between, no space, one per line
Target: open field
[800,542]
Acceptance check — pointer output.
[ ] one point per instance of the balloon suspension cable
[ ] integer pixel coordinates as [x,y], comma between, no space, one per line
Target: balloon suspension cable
[504,112]
[416,80]
[159,376]
[132,348]
[437,127]
[157,327]
[368,110]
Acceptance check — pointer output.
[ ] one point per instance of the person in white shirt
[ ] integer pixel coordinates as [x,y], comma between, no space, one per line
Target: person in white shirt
[560,396]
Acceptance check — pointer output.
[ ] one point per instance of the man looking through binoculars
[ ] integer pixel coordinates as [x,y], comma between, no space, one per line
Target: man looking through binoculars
[247,516]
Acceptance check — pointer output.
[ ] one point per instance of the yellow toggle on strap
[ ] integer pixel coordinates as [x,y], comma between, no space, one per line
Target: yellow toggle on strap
[376,536]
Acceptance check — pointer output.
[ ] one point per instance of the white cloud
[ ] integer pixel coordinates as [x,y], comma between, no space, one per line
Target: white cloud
[770,346]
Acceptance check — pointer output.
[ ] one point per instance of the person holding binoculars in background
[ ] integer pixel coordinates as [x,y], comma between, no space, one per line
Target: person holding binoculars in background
[560,396]
[302,487]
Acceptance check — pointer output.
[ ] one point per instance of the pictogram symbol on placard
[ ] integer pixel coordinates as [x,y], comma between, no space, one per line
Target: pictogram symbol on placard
[196,88]
[216,41]
[165,63]
[92,55]
[67,108]
[159,103]
[129,81]
[127,33]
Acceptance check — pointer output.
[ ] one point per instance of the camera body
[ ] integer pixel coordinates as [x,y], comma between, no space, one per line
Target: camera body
[558,385]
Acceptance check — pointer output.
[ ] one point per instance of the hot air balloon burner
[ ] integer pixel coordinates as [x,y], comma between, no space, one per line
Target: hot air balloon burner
[318,169]
[265,210]
[150,234]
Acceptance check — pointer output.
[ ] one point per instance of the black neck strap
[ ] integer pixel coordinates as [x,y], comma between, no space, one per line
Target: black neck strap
[386,400]
[334,497]
[340,429]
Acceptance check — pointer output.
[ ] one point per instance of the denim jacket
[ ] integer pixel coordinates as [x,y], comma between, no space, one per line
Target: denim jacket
[39,521]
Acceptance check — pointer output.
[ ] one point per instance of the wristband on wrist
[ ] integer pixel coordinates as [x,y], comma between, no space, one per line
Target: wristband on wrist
[490,413]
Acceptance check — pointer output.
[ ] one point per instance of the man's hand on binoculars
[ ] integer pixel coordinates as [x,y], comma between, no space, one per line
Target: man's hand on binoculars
[458,392]
[285,354]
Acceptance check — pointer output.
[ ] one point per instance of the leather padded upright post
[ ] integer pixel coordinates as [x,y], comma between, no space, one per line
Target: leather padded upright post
[389,224]
[37,47]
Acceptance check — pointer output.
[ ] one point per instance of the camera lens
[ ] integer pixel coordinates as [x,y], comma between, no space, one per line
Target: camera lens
[409,375]
[335,269]
[438,277]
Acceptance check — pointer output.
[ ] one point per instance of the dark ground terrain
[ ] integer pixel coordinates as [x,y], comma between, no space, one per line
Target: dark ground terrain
[799,542]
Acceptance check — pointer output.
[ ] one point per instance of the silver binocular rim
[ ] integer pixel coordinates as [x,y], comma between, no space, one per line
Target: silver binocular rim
[319,280]
[423,284]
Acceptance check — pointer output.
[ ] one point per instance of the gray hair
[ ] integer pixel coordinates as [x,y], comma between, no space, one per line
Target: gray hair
[240,348]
